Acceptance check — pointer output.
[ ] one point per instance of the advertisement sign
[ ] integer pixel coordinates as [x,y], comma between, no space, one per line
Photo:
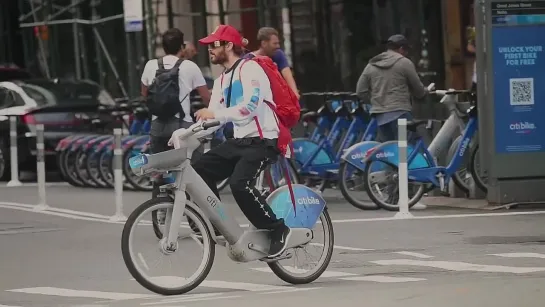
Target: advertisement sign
[518,42]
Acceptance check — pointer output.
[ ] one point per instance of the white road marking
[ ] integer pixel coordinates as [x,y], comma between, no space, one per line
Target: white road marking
[345,247]
[383,279]
[191,298]
[297,270]
[34,184]
[461,266]
[87,216]
[291,290]
[81,293]
[219,284]
[412,254]
[8,306]
[520,255]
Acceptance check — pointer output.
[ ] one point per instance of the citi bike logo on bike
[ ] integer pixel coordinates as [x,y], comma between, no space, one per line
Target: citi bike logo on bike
[522,127]
[308,200]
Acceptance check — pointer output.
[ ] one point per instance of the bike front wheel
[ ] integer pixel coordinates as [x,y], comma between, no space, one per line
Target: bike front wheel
[163,282]
[474,166]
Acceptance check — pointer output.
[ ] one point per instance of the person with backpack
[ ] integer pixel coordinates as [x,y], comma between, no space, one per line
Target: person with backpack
[256,99]
[166,85]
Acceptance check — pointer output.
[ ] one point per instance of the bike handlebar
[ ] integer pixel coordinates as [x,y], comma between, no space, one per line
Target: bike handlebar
[185,133]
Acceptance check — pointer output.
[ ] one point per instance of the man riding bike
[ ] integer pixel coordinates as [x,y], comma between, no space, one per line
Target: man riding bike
[239,96]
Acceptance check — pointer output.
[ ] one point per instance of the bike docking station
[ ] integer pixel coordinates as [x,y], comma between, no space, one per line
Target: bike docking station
[118,177]
[510,78]
[403,172]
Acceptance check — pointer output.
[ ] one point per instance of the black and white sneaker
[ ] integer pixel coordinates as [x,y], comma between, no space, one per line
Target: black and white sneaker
[279,241]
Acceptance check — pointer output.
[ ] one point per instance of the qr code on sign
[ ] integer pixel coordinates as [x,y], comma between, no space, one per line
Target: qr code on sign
[521,91]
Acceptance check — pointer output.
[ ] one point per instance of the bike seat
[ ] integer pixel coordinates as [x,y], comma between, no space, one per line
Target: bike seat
[412,125]
[309,116]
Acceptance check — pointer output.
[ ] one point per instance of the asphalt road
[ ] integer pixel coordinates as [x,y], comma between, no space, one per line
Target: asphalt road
[69,255]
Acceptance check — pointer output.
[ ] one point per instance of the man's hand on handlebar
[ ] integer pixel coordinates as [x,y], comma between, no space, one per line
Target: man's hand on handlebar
[204,114]
[183,133]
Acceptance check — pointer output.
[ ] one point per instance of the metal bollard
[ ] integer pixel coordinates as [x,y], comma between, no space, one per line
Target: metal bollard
[14,182]
[40,165]
[403,171]
[118,177]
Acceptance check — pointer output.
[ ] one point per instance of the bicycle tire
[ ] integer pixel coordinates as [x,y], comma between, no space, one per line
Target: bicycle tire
[60,158]
[412,201]
[130,263]
[93,171]
[104,171]
[81,170]
[70,175]
[474,172]
[345,191]
[283,274]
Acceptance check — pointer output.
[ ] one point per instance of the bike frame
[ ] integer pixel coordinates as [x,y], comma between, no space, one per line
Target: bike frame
[242,246]
[429,175]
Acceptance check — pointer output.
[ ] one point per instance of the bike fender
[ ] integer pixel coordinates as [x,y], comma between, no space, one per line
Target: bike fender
[308,203]
[193,206]
[70,142]
[82,142]
[140,140]
[303,149]
[355,154]
[389,152]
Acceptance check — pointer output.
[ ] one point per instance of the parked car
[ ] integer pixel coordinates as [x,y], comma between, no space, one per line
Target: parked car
[64,107]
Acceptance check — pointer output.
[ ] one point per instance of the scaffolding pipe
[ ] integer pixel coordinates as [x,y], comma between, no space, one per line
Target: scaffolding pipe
[98,55]
[41,46]
[170,14]
[110,62]
[75,37]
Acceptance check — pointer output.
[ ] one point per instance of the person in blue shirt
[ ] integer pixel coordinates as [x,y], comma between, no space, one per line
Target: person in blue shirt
[269,45]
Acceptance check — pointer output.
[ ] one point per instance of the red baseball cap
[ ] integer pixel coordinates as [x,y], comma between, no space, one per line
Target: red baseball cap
[224,33]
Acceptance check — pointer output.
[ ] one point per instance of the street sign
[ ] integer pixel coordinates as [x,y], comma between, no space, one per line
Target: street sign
[133,15]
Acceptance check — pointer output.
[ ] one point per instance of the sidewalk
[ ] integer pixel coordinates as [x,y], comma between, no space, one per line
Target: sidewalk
[476,204]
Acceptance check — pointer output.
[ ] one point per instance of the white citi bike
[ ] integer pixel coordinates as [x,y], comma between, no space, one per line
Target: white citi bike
[308,219]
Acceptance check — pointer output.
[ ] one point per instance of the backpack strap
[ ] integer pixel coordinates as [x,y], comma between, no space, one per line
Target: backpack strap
[178,63]
[160,63]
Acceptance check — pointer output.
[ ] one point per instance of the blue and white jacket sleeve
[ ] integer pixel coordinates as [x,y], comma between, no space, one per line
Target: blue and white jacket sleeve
[252,78]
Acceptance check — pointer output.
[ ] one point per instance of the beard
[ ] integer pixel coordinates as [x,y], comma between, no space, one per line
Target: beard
[218,58]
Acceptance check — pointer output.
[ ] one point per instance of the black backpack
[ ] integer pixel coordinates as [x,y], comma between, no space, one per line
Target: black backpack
[163,98]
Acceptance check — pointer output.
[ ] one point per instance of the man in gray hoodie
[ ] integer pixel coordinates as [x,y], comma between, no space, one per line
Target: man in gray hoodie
[387,83]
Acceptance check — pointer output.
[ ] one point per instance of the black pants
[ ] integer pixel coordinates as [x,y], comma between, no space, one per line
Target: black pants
[242,160]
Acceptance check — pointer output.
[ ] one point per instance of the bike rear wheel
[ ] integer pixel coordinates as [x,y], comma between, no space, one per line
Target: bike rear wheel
[166,285]
[296,275]
[480,181]
[391,175]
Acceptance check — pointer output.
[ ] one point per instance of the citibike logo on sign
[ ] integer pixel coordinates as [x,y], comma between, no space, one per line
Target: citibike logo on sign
[522,127]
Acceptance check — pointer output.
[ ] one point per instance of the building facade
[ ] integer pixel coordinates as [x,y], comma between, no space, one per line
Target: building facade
[329,41]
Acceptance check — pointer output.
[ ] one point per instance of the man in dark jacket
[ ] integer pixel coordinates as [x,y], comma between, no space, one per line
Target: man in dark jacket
[387,83]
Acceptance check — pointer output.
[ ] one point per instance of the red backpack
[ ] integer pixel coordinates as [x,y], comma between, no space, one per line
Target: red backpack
[287,111]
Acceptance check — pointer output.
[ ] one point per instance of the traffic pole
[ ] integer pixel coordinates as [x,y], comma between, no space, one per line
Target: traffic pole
[118,177]
[403,201]
[14,161]
[40,165]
